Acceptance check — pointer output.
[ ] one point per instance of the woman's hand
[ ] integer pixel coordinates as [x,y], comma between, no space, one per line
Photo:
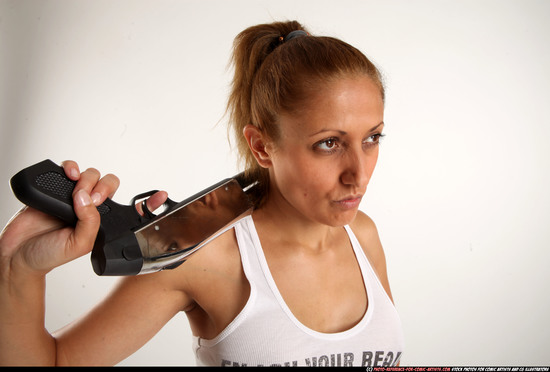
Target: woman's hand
[34,242]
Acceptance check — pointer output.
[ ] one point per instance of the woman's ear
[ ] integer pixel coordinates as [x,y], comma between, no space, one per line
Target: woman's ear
[258,145]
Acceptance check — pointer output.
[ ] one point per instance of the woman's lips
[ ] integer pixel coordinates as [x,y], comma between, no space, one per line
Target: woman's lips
[350,202]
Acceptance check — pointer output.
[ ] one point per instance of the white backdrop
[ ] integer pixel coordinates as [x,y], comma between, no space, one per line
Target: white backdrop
[460,195]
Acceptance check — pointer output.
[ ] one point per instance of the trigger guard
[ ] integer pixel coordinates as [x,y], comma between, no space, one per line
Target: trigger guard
[142,196]
[147,213]
[146,210]
[168,204]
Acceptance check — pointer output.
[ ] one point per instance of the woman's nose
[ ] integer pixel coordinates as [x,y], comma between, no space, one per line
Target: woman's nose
[356,170]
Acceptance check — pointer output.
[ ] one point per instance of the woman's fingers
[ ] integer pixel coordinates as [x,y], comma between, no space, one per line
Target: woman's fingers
[90,180]
[90,191]
[85,231]
[105,188]
[154,202]
[71,169]
[87,181]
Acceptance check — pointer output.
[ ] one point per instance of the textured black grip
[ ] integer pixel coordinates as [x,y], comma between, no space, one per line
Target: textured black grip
[56,184]
[45,187]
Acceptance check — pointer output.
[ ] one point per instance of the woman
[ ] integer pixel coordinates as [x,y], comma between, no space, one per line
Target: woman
[301,281]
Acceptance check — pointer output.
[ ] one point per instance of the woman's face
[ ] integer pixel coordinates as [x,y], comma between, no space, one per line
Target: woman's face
[327,151]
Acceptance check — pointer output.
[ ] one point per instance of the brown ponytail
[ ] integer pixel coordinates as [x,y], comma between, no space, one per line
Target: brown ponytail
[273,75]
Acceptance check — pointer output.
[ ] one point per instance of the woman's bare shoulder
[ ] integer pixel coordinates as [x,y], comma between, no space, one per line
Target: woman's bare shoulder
[215,265]
[365,230]
[219,252]
[218,257]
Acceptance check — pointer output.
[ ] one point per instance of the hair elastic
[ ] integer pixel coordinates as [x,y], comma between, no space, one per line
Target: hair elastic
[294,34]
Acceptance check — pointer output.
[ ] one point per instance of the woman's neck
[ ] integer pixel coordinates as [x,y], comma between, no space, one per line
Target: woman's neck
[283,225]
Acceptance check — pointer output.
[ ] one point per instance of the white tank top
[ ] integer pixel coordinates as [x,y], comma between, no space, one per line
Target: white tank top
[266,332]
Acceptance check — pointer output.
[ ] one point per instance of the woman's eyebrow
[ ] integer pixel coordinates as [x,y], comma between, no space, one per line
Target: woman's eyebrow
[343,133]
[376,126]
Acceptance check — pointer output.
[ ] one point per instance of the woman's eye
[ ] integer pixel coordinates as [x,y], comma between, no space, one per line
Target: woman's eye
[327,145]
[374,139]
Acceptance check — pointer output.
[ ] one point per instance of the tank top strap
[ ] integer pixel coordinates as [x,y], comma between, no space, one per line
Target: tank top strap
[249,242]
[369,274]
